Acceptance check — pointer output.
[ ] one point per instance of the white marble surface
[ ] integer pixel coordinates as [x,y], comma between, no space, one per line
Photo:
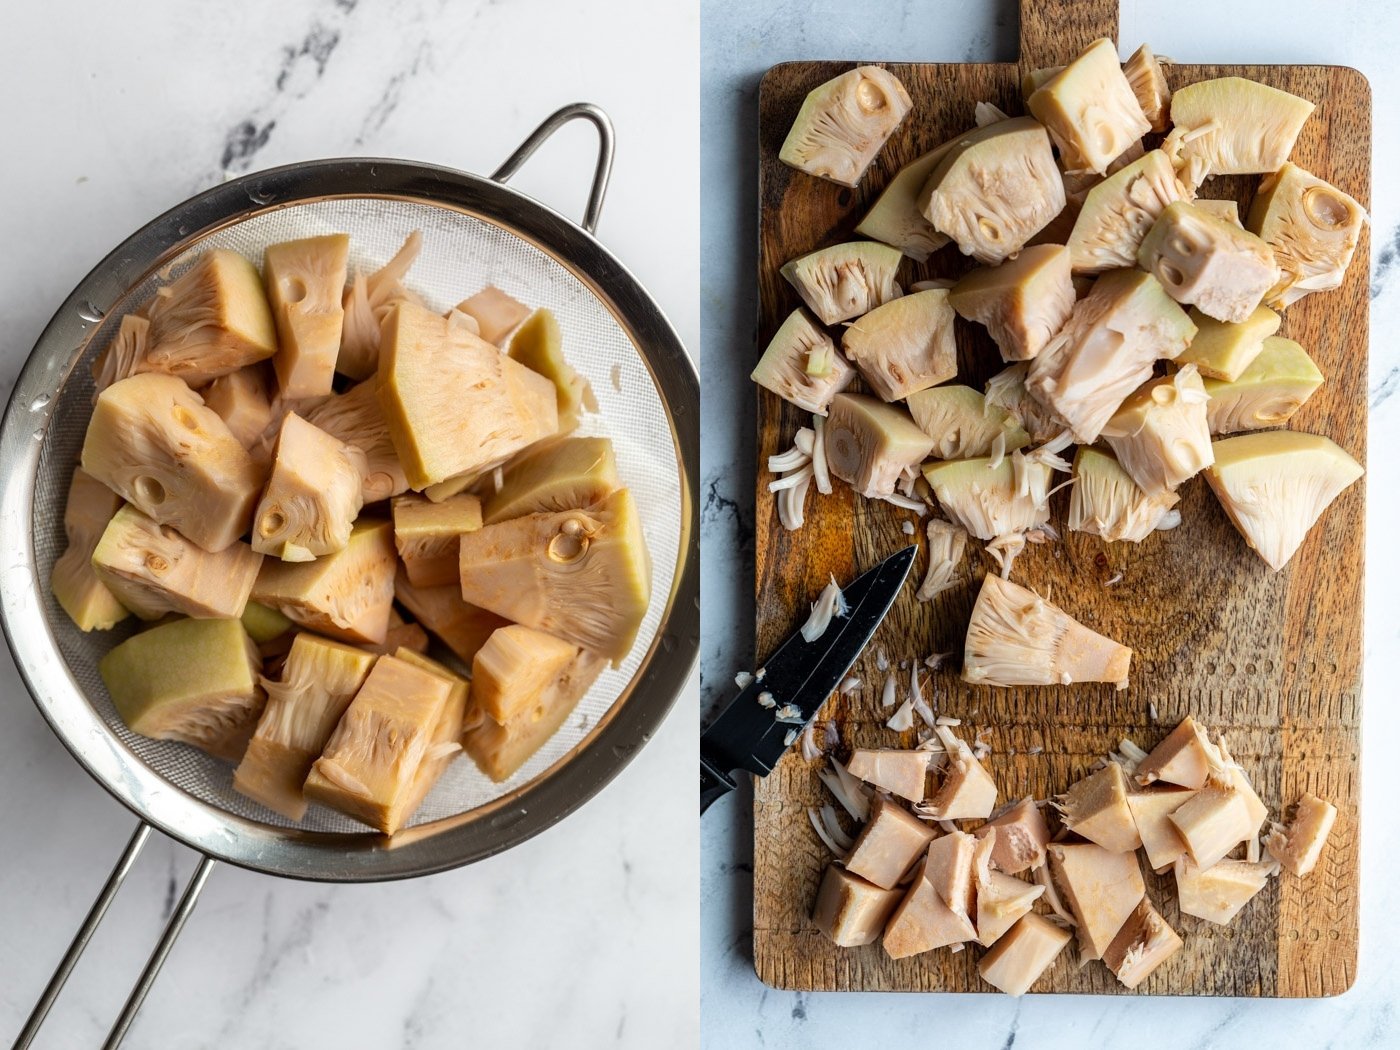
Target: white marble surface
[740,41]
[583,937]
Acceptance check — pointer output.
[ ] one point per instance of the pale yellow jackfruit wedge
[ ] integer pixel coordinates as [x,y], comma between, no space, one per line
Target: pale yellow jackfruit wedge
[1090,109]
[426,536]
[895,219]
[539,345]
[152,440]
[1022,954]
[452,401]
[1312,227]
[84,597]
[1007,391]
[447,734]
[212,320]
[1107,349]
[1023,302]
[1275,485]
[356,418]
[1160,434]
[305,283]
[515,665]
[461,627]
[1016,637]
[313,494]
[1229,211]
[801,365]
[367,302]
[1201,259]
[455,486]
[987,499]
[345,595]
[1119,211]
[500,750]
[1033,80]
[372,760]
[871,445]
[905,345]
[319,679]
[1102,890]
[153,570]
[1106,502]
[1149,84]
[996,188]
[496,314]
[1234,126]
[195,681]
[1096,808]
[845,280]
[240,400]
[123,355]
[563,474]
[1217,893]
[843,123]
[581,575]
[962,424]
[1221,350]
[263,623]
[1276,384]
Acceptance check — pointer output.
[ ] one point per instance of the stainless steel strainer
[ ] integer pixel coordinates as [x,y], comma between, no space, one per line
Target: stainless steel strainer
[475,231]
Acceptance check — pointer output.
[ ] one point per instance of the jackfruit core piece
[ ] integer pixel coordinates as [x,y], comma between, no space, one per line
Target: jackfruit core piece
[1276,484]
[84,597]
[1023,302]
[905,345]
[801,365]
[211,320]
[195,681]
[895,219]
[1234,126]
[1221,350]
[496,314]
[1106,502]
[871,445]
[1199,258]
[240,400]
[356,418]
[152,440]
[305,283]
[1312,227]
[995,189]
[845,280]
[563,474]
[461,627]
[990,500]
[1149,84]
[1016,637]
[312,496]
[452,401]
[1118,212]
[1160,434]
[1090,109]
[514,666]
[367,302]
[581,575]
[539,346]
[962,424]
[426,535]
[1276,384]
[843,123]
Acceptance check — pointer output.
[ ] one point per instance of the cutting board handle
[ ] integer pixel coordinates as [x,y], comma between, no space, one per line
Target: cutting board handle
[1054,31]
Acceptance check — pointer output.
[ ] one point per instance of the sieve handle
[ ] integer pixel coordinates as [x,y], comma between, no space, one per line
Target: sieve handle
[601,172]
[85,932]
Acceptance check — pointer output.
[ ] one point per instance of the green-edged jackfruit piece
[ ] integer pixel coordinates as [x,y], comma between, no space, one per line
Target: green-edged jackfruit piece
[426,535]
[1312,227]
[264,623]
[843,123]
[539,345]
[1278,381]
[563,474]
[845,280]
[801,365]
[895,219]
[84,597]
[962,424]
[871,445]
[1221,350]
[1090,109]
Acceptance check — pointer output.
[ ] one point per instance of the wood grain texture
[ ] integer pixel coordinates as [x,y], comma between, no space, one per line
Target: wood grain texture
[1272,660]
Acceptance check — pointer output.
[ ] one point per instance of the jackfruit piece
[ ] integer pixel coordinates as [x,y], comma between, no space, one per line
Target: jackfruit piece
[995,189]
[1107,349]
[581,575]
[123,355]
[153,570]
[966,790]
[1212,823]
[313,494]
[1185,757]
[461,627]
[1232,773]
[1297,845]
[1119,211]
[962,424]
[452,401]
[1312,227]
[400,638]
[455,486]
[318,681]
[1149,84]
[211,320]
[1016,637]
[514,667]
[1106,502]
[496,314]
[1234,126]
[845,280]
[923,920]
[891,841]
[1143,944]
[1023,954]
[1160,434]
[844,122]
[1275,485]
[500,750]
[563,474]
[367,302]
[990,500]
[1101,889]
[1227,211]
[84,597]
[426,535]
[1022,302]
[1096,808]
[1161,841]
[346,595]
[786,367]
[373,757]
[1021,837]
[240,400]
[1007,390]
[195,681]
[902,773]
[447,734]
[948,868]
[1224,270]
[538,345]
[356,418]
[1001,899]
[1033,80]
[1090,109]
[850,911]
[871,445]
[263,623]
[152,440]
[905,345]
[895,219]
[1221,350]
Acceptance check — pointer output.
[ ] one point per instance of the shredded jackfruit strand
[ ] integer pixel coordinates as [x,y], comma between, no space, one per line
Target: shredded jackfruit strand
[801,476]
[887,694]
[853,795]
[849,686]
[820,474]
[903,718]
[830,603]
[824,829]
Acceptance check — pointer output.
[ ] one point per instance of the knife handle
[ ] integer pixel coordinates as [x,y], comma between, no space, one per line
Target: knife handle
[713,784]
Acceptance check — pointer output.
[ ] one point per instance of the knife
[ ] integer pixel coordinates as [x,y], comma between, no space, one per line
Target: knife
[746,735]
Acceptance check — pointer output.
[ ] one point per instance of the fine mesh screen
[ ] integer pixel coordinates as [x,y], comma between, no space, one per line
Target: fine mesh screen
[460,255]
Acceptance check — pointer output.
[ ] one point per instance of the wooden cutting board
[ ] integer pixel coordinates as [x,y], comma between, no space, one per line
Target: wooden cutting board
[1272,660]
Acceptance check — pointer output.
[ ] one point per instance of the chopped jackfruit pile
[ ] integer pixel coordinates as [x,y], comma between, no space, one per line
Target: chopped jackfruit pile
[276,457]
[933,862]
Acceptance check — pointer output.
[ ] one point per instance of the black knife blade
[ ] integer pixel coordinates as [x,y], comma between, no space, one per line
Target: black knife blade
[746,735]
